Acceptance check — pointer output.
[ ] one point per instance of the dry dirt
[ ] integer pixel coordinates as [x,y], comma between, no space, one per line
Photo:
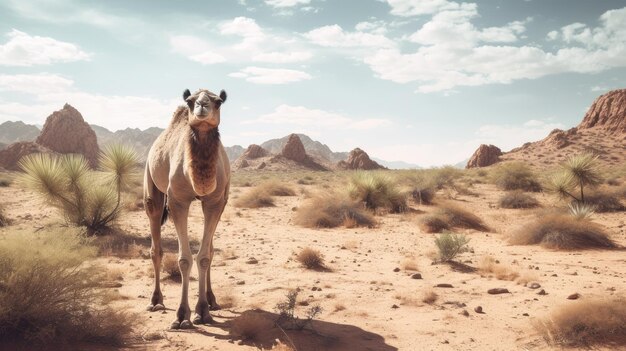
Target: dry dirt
[358,295]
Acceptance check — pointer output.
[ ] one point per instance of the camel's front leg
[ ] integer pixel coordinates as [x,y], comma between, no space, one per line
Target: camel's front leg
[206,298]
[179,212]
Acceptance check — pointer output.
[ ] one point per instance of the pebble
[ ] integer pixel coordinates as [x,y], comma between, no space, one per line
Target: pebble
[465,313]
[396,269]
[395,306]
[535,286]
[444,285]
[496,291]
[542,292]
[252,260]
[574,296]
[478,309]
[416,276]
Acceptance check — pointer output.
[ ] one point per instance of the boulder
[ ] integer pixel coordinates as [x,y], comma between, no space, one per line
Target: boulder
[10,157]
[607,112]
[66,132]
[254,151]
[484,156]
[294,150]
[359,159]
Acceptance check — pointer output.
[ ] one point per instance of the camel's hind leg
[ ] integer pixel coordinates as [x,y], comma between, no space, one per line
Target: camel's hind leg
[154,204]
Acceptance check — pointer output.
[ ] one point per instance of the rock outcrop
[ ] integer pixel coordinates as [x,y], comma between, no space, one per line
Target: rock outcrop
[607,112]
[254,151]
[65,131]
[359,159]
[484,156]
[10,157]
[294,149]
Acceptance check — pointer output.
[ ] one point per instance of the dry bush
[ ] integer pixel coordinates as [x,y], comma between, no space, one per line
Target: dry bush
[311,259]
[489,265]
[48,295]
[250,326]
[169,265]
[255,198]
[377,191]
[429,297]
[515,176]
[330,211]
[585,323]
[614,182]
[562,232]
[603,201]
[4,220]
[276,188]
[517,199]
[451,216]
[410,264]
[442,177]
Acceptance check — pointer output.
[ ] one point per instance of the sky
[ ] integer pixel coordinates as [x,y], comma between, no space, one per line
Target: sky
[421,81]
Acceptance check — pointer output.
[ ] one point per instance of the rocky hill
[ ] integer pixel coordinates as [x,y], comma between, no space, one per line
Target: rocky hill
[601,131]
[359,159]
[293,156]
[312,147]
[12,132]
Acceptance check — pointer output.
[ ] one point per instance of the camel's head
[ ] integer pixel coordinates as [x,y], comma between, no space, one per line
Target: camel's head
[204,108]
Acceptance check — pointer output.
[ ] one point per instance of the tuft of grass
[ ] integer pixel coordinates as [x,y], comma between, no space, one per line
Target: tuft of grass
[604,201]
[276,188]
[515,176]
[48,295]
[517,199]
[450,245]
[85,197]
[585,323]
[429,297]
[563,232]
[489,265]
[333,210]
[250,326]
[581,211]
[4,220]
[377,191]
[311,259]
[288,319]
[451,216]
[255,198]
[170,266]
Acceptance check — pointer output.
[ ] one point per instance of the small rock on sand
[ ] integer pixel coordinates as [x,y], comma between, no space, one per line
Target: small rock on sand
[444,285]
[574,296]
[534,286]
[416,276]
[496,291]
[478,309]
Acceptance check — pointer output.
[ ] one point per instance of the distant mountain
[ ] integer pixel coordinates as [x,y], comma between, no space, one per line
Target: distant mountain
[396,164]
[12,132]
[312,147]
[461,164]
[234,152]
[141,140]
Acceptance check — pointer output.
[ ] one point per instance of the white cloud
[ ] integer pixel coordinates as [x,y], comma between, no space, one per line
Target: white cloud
[23,49]
[50,93]
[286,3]
[305,117]
[335,36]
[260,75]
[282,57]
[407,8]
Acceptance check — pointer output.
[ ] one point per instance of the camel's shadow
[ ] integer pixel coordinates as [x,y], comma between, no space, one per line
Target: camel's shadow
[321,335]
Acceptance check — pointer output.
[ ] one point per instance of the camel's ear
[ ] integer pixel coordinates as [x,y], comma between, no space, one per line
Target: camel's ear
[186,94]
[223,96]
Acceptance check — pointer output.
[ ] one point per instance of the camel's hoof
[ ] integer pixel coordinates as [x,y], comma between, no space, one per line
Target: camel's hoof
[175,325]
[154,308]
[198,319]
[186,324]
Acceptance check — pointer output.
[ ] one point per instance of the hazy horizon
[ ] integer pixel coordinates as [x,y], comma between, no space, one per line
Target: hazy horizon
[423,82]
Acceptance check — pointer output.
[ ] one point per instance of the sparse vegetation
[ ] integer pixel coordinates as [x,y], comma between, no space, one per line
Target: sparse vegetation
[490,266]
[85,197]
[287,318]
[604,201]
[255,198]
[563,232]
[276,188]
[5,180]
[451,216]
[4,220]
[577,173]
[170,266]
[429,297]
[49,296]
[586,323]
[581,211]
[450,245]
[330,211]
[517,199]
[311,259]
[515,176]
[250,325]
[377,191]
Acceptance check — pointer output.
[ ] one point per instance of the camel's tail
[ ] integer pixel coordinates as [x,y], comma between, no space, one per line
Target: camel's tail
[165,211]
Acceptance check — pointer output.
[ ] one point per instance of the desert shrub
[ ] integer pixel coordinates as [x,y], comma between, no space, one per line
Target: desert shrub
[287,317]
[250,326]
[377,191]
[5,180]
[604,201]
[489,265]
[330,211]
[557,231]
[49,295]
[451,216]
[442,177]
[613,182]
[585,323]
[4,220]
[275,188]
[84,196]
[170,266]
[255,198]
[423,195]
[311,259]
[577,173]
[450,245]
[517,199]
[429,297]
[581,211]
[515,176]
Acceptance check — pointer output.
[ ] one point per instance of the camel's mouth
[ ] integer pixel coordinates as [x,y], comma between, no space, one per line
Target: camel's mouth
[204,124]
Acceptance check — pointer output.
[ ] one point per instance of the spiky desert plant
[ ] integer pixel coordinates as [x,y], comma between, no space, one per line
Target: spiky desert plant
[578,171]
[450,245]
[581,211]
[86,197]
[377,190]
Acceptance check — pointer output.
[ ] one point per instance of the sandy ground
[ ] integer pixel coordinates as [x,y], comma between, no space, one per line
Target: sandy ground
[360,292]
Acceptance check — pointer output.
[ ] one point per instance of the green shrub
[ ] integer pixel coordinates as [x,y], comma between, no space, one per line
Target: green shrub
[377,191]
[515,176]
[577,173]
[450,245]
[84,196]
[48,295]
[517,199]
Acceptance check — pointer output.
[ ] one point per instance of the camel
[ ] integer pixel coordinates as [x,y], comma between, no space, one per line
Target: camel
[187,162]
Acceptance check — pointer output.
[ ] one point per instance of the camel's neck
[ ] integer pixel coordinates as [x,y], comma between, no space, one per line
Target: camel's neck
[203,153]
